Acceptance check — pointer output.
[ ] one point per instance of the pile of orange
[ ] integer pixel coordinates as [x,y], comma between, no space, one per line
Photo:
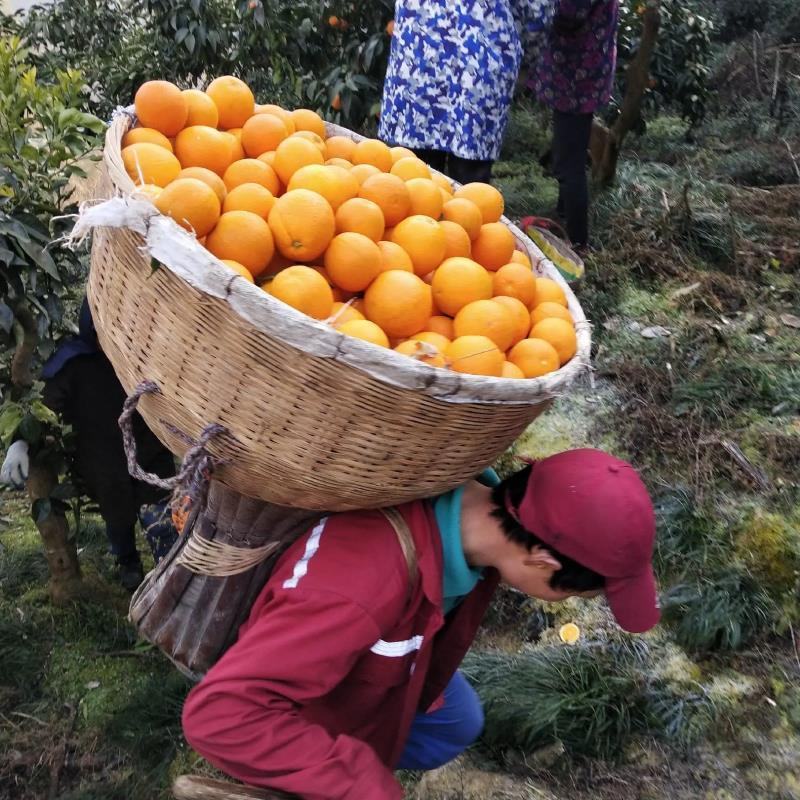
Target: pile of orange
[357,234]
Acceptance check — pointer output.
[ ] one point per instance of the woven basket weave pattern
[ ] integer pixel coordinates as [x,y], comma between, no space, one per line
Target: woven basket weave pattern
[305,431]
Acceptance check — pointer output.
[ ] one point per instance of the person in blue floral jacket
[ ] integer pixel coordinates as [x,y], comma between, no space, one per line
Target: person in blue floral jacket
[451,76]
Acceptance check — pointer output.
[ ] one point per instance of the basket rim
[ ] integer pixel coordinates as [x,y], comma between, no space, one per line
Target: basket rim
[180,252]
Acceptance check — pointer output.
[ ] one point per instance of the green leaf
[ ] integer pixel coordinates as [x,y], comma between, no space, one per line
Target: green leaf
[91,122]
[11,415]
[43,413]
[189,42]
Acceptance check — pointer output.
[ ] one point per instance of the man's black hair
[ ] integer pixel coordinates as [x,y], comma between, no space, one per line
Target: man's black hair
[572,576]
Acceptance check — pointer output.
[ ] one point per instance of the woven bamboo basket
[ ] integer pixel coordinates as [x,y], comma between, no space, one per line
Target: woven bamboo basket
[314,419]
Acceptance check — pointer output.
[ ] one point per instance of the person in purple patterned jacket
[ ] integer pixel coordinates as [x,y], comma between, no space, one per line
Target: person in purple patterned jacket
[574,77]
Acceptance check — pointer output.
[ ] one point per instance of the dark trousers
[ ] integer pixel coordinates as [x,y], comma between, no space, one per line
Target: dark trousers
[89,397]
[463,170]
[570,145]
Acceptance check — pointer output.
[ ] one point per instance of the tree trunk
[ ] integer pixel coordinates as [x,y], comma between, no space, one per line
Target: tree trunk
[608,142]
[21,363]
[59,548]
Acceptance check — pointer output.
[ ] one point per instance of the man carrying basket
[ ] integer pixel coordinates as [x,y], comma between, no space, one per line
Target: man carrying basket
[347,666]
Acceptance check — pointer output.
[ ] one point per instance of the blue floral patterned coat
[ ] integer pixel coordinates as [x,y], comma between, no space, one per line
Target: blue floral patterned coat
[452,71]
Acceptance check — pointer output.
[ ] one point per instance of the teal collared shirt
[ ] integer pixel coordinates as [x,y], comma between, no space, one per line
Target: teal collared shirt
[459,578]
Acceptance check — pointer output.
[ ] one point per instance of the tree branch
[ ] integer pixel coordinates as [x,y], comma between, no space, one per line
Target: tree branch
[22,362]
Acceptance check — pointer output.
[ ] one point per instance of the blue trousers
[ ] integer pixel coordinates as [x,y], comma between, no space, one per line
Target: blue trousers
[438,737]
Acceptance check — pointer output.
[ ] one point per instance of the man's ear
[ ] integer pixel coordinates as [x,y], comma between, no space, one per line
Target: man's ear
[542,559]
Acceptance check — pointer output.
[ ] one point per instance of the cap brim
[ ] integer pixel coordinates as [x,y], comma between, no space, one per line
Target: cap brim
[634,601]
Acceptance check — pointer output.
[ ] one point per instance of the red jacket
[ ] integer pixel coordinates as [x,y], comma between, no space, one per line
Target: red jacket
[318,694]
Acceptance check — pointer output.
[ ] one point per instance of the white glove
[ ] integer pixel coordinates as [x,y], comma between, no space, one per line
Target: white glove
[14,471]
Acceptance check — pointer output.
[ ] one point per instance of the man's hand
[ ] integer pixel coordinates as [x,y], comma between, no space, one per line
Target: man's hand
[14,471]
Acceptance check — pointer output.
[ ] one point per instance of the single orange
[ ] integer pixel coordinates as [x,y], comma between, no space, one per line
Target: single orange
[340,147]
[316,140]
[237,267]
[343,312]
[431,337]
[518,257]
[251,170]
[244,237]
[191,203]
[534,357]
[511,371]
[352,260]
[335,184]
[441,325]
[149,135]
[393,256]
[363,171]
[303,224]
[148,190]
[339,162]
[233,99]
[422,352]
[306,120]
[203,146]
[390,193]
[425,197]
[475,355]
[548,290]
[268,158]
[465,213]
[550,309]
[458,243]
[486,197]
[486,318]
[443,182]
[520,315]
[399,302]
[202,110]
[207,176]
[262,133]
[161,105]
[304,289]
[366,330]
[372,151]
[423,239]
[401,152]
[292,154]
[235,141]
[150,163]
[493,246]
[250,197]
[560,334]
[277,111]
[459,281]
[360,216]
[515,280]
[408,168]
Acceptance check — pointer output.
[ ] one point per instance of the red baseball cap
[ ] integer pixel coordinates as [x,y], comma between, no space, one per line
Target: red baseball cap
[595,509]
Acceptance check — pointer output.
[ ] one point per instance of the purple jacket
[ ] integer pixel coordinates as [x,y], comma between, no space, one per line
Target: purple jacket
[575,73]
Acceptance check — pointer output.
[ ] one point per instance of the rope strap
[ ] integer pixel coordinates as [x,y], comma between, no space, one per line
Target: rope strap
[195,471]
[220,560]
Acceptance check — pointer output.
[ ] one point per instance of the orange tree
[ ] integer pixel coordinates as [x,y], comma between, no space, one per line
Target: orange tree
[330,57]
[44,137]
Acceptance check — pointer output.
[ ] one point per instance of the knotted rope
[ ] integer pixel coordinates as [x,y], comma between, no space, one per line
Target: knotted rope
[190,488]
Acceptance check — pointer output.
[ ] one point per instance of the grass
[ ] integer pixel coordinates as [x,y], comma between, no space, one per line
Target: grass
[75,687]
